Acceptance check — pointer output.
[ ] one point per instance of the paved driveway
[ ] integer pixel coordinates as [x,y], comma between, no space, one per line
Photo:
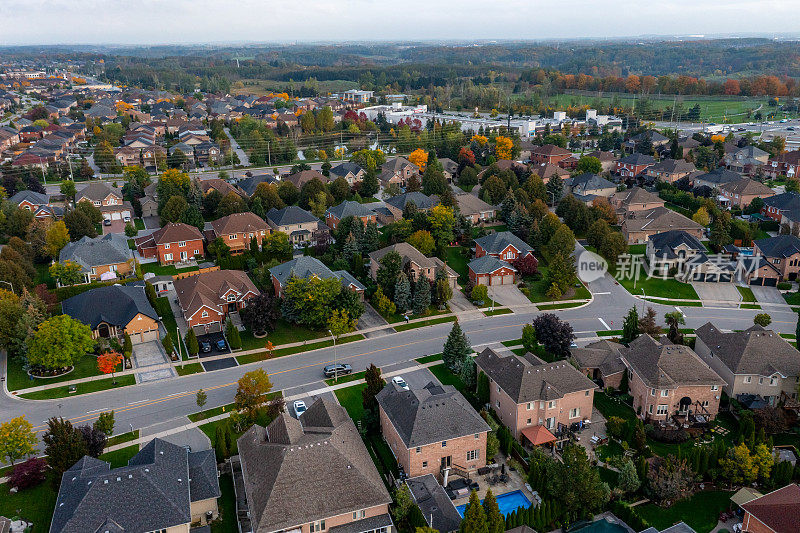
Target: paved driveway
[149,354]
[117,226]
[508,295]
[767,295]
[459,303]
[372,319]
[718,291]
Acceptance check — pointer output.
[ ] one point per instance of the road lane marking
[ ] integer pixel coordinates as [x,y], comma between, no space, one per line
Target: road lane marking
[604,323]
[601,293]
[140,401]
[176,394]
[679,310]
[95,411]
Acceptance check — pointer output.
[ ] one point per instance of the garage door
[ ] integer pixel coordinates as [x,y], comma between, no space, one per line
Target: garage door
[145,336]
[507,280]
[757,281]
[215,327]
[116,216]
[770,282]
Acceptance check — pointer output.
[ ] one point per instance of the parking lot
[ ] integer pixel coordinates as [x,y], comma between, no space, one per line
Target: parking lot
[213,338]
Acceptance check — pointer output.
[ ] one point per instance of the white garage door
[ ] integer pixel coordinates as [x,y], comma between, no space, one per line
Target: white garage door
[116,216]
[508,280]
[145,336]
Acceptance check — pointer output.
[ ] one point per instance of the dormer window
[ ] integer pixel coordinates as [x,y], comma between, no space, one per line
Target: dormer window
[231,297]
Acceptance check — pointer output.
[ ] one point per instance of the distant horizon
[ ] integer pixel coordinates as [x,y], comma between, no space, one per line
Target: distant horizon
[248,22]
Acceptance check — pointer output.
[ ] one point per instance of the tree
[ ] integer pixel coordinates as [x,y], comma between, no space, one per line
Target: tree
[382,303]
[738,467]
[480,293]
[561,272]
[89,209]
[529,340]
[474,516]
[562,241]
[527,265]
[422,295]
[59,342]
[107,363]
[310,301]
[174,210]
[554,334]
[64,445]
[67,272]
[388,271]
[67,188]
[494,520]
[252,387]
[56,238]
[232,333]
[130,230]
[201,398]
[402,293]
[419,157]
[29,474]
[340,323]
[17,439]
[555,189]
[442,221]
[630,326]
[669,479]
[613,245]
[95,440]
[589,164]
[105,423]
[261,313]
[423,241]
[374,384]
[192,346]
[762,319]
[701,216]
[79,225]
[456,349]
[648,325]
[628,478]
[442,289]
[576,484]
[674,320]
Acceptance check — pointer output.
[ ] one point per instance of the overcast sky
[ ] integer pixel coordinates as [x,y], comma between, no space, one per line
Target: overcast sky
[213,21]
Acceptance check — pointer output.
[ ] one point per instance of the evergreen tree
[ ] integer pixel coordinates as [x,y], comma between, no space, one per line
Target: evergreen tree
[372,239]
[220,446]
[369,185]
[494,520]
[402,293]
[351,247]
[422,295]
[630,326]
[474,516]
[192,346]
[467,373]
[456,349]
[628,479]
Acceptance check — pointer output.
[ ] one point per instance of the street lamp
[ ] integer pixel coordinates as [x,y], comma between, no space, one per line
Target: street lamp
[335,366]
[643,300]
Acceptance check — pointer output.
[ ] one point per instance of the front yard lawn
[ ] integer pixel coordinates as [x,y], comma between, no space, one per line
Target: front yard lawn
[285,333]
[429,358]
[747,294]
[446,377]
[260,356]
[431,322]
[120,457]
[536,287]
[457,259]
[139,223]
[19,379]
[346,378]
[165,270]
[700,512]
[165,312]
[35,505]
[665,288]
[792,298]
[191,368]
[351,399]
[81,388]
[227,507]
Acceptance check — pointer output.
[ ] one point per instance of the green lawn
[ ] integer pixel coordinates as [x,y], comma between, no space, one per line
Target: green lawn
[260,356]
[457,260]
[747,294]
[227,507]
[191,368]
[165,312]
[35,505]
[637,249]
[665,288]
[700,512]
[550,307]
[422,324]
[123,437]
[792,298]
[139,223]
[446,377]
[208,413]
[517,342]
[507,311]
[346,379]
[19,379]
[285,333]
[429,358]
[536,287]
[43,276]
[81,388]
[165,270]
[609,476]
[607,451]
[120,457]
[350,398]
[211,427]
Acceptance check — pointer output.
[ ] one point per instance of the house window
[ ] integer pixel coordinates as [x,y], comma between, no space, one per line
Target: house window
[773,381]
[650,409]
[317,526]
[586,393]
[551,404]
[231,297]
[652,392]
[232,237]
[444,444]
[419,449]
[357,515]
[662,410]
[424,464]
[748,379]
[760,381]
[498,388]
[714,387]
[167,257]
[472,455]
[664,393]
[550,423]
[181,243]
[575,412]
[112,268]
[204,314]
[94,271]
[528,422]
[529,406]
[477,435]
[166,246]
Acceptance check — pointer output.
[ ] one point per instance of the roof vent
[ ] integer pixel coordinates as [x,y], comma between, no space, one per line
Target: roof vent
[147,470]
[105,482]
[180,480]
[119,479]
[130,476]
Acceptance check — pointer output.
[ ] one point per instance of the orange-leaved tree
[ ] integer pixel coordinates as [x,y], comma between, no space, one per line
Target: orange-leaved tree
[419,157]
[108,361]
[503,147]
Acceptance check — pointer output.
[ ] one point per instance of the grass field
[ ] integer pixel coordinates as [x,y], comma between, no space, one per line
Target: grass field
[700,512]
[35,505]
[191,368]
[351,400]
[429,358]
[120,457]
[747,294]
[458,262]
[431,322]
[123,437]
[347,378]
[536,288]
[139,223]
[506,311]
[665,288]
[261,87]
[285,333]
[227,507]
[19,379]
[260,356]
[81,388]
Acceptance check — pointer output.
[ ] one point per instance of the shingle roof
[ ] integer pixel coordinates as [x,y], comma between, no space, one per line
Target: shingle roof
[239,223]
[249,184]
[409,253]
[550,150]
[172,232]
[487,264]
[528,378]
[658,220]
[587,182]
[778,246]
[636,195]
[306,267]
[156,488]
[637,159]
[343,168]
[667,366]
[604,355]
[665,243]
[349,208]
[431,414]
[32,197]
[672,166]
[494,243]
[420,200]
[752,351]
[719,176]
[97,191]
[783,201]
[290,215]
[322,464]
[110,249]
[207,289]
[435,504]
[304,176]
[778,510]
[469,204]
[113,304]
[747,186]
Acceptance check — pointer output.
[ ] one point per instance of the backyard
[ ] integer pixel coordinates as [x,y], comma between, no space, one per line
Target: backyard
[700,511]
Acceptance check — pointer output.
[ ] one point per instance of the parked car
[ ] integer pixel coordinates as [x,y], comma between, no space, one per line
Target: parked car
[205,346]
[299,407]
[400,382]
[340,369]
[222,345]
[106,221]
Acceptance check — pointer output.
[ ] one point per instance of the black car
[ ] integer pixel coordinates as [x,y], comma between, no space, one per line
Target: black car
[340,369]
[205,346]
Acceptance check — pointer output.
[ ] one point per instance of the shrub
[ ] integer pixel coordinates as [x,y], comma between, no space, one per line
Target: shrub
[479,293]
[670,436]
[784,286]
[29,474]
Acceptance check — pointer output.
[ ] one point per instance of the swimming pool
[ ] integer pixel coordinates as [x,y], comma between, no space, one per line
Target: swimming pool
[508,503]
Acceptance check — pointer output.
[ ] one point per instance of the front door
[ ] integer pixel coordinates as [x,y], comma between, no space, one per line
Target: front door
[446,461]
[183,256]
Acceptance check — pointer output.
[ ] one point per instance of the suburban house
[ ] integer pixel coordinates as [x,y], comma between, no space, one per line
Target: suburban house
[349,208]
[549,153]
[741,193]
[165,487]
[489,270]
[432,430]
[667,379]
[414,261]
[149,201]
[608,160]
[102,258]
[249,184]
[669,170]
[785,164]
[449,168]
[748,160]
[219,185]
[208,298]
[547,170]
[716,178]
[347,494]
[778,205]
[107,199]
[396,205]
[296,222]
[634,199]
[633,165]
[307,267]
[113,310]
[174,243]
[638,226]
[474,209]
[782,253]
[37,203]
[437,508]
[397,170]
[298,179]
[670,249]
[601,362]
[535,399]
[755,361]
[776,512]
[588,186]
[351,172]
[502,245]
[237,229]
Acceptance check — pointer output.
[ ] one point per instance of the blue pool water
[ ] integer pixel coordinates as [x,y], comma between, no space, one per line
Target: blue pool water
[508,503]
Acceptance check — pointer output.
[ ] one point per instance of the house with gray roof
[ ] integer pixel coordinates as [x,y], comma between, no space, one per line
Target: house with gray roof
[755,361]
[669,249]
[782,252]
[305,267]
[432,430]
[438,509]
[489,270]
[299,224]
[414,262]
[114,310]
[397,204]
[309,475]
[600,361]
[249,184]
[529,394]
[474,209]
[100,258]
[351,172]
[349,208]
[164,487]
[503,245]
[717,178]
[588,186]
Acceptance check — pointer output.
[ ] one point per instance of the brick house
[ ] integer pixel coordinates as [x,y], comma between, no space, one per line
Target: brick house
[395,207]
[667,379]
[638,226]
[351,172]
[414,262]
[546,171]
[397,170]
[502,245]
[310,475]
[207,299]
[310,267]
[37,203]
[601,362]
[634,199]
[741,193]
[174,243]
[633,165]
[754,361]
[776,206]
[432,430]
[298,179]
[474,209]
[775,512]
[113,310]
[549,153]
[782,253]
[221,186]
[348,208]
[491,271]
[107,199]
[237,229]
[785,164]
[101,258]
[528,394]
[669,170]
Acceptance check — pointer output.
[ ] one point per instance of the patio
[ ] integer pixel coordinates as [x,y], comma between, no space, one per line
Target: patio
[514,480]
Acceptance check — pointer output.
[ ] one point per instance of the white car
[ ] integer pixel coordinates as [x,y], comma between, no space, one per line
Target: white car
[299,407]
[400,382]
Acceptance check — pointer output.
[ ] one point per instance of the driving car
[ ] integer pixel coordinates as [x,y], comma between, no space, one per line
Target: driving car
[340,369]
[299,407]
[222,345]
[205,346]
[400,382]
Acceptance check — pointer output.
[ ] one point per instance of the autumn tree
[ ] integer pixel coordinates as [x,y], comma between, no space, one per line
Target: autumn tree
[107,363]
[56,238]
[252,388]
[17,439]
[419,157]
[648,324]
[503,147]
